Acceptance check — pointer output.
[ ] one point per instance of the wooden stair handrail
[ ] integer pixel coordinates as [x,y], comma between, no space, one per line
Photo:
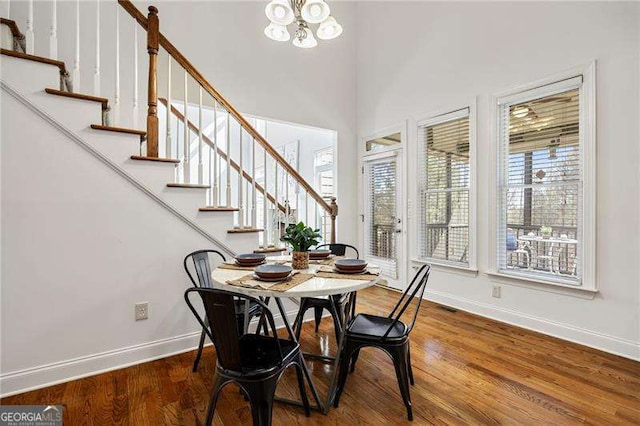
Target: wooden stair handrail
[195,74]
[15,31]
[222,154]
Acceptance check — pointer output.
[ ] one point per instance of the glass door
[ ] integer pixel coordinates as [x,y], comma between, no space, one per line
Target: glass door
[383,215]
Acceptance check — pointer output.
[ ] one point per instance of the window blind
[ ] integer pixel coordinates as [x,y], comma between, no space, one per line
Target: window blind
[540,178]
[381,211]
[444,188]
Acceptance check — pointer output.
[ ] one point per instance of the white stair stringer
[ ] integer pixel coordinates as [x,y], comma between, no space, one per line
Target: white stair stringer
[215,233]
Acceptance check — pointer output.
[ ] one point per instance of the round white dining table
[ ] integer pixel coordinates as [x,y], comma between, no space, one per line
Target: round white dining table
[314,287]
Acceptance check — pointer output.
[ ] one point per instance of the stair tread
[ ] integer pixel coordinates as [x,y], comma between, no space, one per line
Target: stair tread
[103,101]
[244,230]
[187,185]
[270,250]
[35,58]
[158,159]
[119,129]
[218,209]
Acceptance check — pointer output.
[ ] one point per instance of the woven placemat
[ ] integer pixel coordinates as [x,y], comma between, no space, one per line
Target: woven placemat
[366,276]
[327,262]
[294,280]
[237,267]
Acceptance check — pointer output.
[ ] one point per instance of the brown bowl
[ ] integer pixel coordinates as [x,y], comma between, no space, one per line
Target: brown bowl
[319,254]
[350,265]
[273,271]
[250,259]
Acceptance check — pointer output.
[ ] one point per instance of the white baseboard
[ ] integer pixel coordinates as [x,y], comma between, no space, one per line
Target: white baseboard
[21,381]
[603,342]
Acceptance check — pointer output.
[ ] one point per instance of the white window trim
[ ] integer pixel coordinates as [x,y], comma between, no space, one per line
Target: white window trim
[588,158]
[438,117]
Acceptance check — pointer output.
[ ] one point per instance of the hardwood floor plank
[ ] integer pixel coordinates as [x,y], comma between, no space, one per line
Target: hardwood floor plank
[468,370]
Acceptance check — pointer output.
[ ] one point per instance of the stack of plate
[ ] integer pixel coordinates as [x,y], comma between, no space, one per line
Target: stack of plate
[319,254]
[272,273]
[350,266]
[250,259]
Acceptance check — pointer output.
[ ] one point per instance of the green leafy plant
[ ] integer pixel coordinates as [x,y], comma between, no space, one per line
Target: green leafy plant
[546,230]
[301,237]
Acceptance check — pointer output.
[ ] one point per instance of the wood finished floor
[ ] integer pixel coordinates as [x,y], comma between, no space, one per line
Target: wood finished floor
[468,370]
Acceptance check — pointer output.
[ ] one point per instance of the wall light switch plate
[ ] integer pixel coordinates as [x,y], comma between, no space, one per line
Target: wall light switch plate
[142,311]
[496,291]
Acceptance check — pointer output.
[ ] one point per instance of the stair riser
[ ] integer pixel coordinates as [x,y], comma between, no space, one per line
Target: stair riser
[6,38]
[154,175]
[188,200]
[73,113]
[29,77]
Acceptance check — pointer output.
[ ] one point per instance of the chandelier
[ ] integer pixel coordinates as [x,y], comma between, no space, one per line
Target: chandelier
[303,12]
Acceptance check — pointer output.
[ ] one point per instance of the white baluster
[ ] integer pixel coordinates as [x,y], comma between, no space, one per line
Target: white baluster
[29,33]
[200,141]
[186,162]
[306,208]
[53,31]
[168,153]
[265,210]
[315,214]
[116,97]
[96,70]
[228,136]
[254,212]
[287,205]
[276,230]
[240,189]
[135,75]
[210,181]
[8,9]
[76,61]
[215,187]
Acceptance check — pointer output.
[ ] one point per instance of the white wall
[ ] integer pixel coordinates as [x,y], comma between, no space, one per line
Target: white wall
[436,56]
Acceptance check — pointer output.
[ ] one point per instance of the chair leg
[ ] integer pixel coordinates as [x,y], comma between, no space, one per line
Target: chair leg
[344,370]
[354,359]
[399,355]
[318,316]
[218,382]
[336,322]
[297,323]
[303,392]
[409,368]
[199,354]
[261,395]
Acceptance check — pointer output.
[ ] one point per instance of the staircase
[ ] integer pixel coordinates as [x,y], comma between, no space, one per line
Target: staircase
[195,153]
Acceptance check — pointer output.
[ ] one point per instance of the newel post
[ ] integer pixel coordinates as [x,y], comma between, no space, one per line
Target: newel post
[334,214]
[153,39]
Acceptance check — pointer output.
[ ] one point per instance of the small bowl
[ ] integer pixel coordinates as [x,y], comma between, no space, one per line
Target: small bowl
[350,264]
[250,258]
[273,271]
[319,254]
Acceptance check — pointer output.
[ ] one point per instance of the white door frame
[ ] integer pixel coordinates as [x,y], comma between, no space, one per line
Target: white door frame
[399,153]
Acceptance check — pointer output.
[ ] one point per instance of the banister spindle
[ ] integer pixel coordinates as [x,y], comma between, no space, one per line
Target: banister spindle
[29,35]
[96,69]
[306,207]
[276,209]
[53,31]
[265,201]
[153,39]
[135,77]
[215,200]
[168,148]
[254,212]
[116,96]
[200,141]
[240,185]
[228,136]
[76,62]
[186,143]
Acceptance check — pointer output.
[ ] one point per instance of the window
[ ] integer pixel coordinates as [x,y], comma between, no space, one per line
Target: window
[323,170]
[445,187]
[542,155]
[384,143]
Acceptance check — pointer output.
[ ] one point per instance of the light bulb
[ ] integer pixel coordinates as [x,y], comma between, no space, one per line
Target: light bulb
[307,42]
[279,12]
[315,11]
[329,28]
[277,32]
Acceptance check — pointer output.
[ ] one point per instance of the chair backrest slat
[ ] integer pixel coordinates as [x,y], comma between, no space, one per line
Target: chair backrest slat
[201,267]
[418,284]
[339,249]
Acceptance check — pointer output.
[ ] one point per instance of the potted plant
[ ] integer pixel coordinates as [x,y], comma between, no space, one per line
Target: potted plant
[301,238]
[545,231]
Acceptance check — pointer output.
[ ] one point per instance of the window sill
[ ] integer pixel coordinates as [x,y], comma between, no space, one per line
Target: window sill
[448,267]
[544,285]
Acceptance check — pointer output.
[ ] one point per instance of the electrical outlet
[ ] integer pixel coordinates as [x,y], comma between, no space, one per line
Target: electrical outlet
[495,291]
[142,311]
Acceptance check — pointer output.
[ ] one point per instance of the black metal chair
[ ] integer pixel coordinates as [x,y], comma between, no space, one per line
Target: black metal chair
[319,304]
[252,361]
[387,333]
[200,266]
